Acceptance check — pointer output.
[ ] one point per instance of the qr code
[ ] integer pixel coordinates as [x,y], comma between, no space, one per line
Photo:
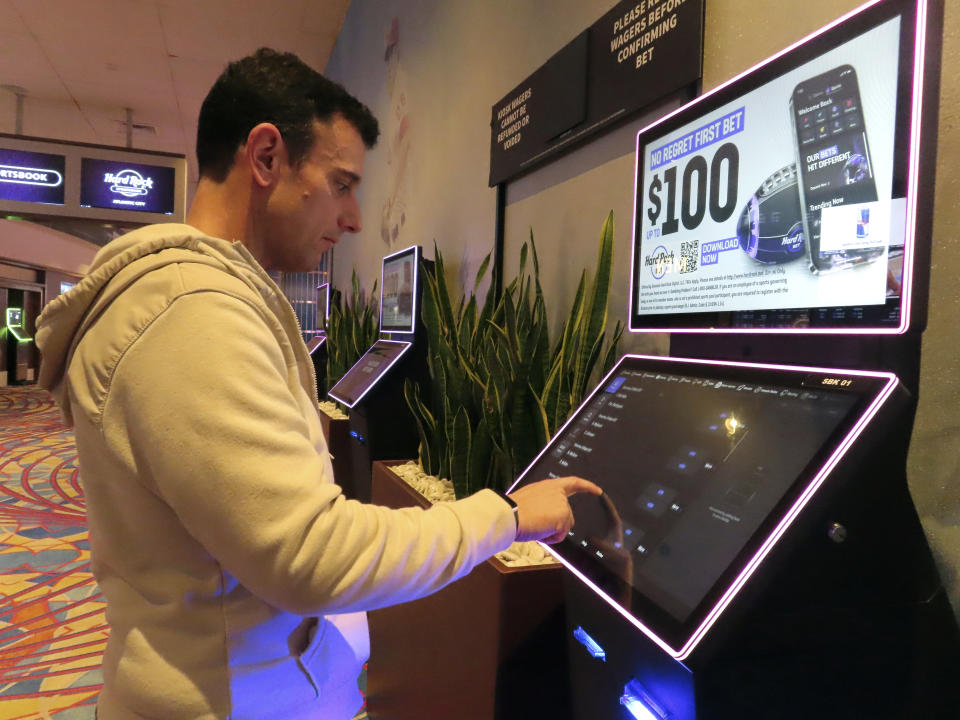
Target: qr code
[689,253]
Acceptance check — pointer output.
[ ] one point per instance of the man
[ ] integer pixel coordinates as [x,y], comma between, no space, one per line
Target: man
[234,570]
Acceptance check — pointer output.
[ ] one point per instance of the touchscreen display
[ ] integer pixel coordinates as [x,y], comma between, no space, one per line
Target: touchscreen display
[781,201]
[368,371]
[695,461]
[399,283]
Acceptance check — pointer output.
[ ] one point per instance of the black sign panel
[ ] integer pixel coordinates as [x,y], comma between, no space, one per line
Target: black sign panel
[641,51]
[636,53]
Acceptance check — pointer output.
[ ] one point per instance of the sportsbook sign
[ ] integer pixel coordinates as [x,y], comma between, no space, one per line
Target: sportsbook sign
[31,177]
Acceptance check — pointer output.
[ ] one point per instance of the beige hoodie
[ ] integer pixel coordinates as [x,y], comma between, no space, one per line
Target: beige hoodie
[217,532]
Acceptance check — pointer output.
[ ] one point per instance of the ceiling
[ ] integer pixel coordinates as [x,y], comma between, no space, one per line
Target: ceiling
[82,62]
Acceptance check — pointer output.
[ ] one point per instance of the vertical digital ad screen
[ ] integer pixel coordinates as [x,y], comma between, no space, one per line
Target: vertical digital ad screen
[33,177]
[781,200]
[121,185]
[398,291]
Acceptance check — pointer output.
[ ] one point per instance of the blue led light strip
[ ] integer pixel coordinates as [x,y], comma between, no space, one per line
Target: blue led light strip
[638,701]
[592,646]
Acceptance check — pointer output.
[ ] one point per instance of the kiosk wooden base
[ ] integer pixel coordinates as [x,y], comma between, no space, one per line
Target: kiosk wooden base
[337,434]
[490,645]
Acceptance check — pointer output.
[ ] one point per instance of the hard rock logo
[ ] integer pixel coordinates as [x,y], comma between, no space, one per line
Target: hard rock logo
[128,183]
[660,262]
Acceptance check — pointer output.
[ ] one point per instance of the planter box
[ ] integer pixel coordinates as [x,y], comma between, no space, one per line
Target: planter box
[337,434]
[490,645]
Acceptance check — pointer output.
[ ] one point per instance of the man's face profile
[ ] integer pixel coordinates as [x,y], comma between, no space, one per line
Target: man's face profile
[314,202]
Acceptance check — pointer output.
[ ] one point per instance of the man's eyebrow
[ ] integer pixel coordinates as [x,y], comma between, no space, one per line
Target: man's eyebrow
[351,176]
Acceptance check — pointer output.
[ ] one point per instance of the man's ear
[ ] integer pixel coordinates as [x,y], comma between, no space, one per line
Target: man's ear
[265,153]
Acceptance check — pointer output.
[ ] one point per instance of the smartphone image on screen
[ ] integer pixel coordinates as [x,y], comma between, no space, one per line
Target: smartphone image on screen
[835,166]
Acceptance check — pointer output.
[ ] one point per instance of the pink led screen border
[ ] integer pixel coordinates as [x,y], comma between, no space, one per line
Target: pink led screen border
[887,382]
[691,147]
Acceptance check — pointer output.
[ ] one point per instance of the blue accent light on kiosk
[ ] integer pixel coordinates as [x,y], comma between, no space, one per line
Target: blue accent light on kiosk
[592,646]
[639,703]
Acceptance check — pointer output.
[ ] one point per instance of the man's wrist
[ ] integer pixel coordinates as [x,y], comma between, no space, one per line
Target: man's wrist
[514,508]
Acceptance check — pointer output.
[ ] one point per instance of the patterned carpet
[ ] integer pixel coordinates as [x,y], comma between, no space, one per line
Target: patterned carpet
[52,626]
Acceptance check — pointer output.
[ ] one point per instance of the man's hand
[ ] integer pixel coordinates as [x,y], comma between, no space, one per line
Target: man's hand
[543,512]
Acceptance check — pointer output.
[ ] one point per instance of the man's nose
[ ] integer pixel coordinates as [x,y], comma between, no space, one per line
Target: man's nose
[350,218]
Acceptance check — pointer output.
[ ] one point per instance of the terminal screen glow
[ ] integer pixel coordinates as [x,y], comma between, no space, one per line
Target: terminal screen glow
[397,295]
[368,371]
[781,199]
[703,465]
[712,471]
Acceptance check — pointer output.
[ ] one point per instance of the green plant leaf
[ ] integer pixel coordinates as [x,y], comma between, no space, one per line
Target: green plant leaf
[444,306]
[481,465]
[541,424]
[612,353]
[430,317]
[566,348]
[466,326]
[510,331]
[594,318]
[426,426]
[581,390]
[551,394]
[541,363]
[563,401]
[460,453]
[481,272]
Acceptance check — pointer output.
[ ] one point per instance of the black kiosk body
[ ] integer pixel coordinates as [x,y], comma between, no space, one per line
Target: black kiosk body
[19,346]
[756,553]
[381,427]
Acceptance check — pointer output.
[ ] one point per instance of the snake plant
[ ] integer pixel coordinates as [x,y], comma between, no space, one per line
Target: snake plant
[499,387]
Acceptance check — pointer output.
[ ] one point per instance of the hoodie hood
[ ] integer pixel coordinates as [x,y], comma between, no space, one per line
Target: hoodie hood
[120,263]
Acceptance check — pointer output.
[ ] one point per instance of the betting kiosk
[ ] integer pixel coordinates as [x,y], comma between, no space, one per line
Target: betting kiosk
[19,347]
[756,553]
[317,345]
[381,427]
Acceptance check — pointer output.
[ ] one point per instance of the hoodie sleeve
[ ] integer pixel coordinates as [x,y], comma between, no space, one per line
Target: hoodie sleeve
[200,403]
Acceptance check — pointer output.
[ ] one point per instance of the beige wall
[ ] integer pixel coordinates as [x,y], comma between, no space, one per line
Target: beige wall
[461,57]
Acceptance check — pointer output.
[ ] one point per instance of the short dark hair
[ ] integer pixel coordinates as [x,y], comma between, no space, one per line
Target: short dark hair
[274,87]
